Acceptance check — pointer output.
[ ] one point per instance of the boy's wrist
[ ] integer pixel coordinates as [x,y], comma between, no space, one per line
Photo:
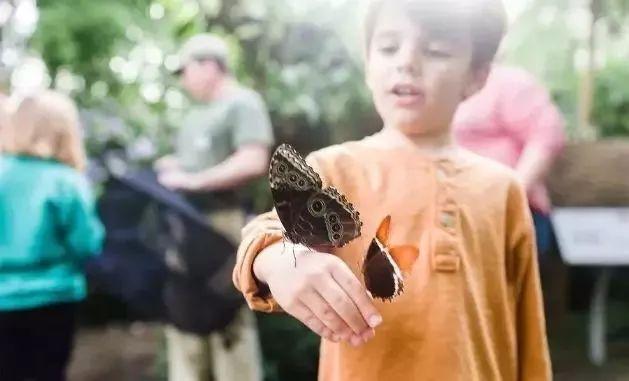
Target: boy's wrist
[278,257]
[266,260]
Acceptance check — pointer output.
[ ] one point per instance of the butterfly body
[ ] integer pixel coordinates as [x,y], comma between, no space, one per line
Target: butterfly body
[312,215]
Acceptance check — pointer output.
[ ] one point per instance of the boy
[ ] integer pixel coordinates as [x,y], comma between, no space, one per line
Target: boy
[471,307]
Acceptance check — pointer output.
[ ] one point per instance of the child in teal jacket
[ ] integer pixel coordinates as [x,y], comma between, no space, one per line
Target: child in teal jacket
[48,228]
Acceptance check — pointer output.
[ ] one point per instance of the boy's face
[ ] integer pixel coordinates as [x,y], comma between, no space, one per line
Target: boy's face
[418,80]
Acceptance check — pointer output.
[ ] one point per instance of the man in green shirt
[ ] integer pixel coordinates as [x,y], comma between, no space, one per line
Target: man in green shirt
[224,141]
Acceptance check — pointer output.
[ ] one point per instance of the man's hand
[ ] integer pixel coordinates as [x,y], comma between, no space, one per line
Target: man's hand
[179,180]
[320,291]
[166,164]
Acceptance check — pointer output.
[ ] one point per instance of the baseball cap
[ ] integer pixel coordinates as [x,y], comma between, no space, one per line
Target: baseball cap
[203,46]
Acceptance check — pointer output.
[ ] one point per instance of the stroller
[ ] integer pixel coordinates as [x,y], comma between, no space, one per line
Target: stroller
[144,221]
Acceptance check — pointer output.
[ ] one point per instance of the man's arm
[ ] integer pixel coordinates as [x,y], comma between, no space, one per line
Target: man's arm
[534,165]
[527,109]
[248,162]
[167,163]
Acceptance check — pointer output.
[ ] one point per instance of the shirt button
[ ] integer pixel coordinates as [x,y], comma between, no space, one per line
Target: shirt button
[441,174]
[447,220]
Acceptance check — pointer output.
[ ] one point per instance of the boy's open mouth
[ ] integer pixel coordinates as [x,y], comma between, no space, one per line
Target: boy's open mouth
[407,95]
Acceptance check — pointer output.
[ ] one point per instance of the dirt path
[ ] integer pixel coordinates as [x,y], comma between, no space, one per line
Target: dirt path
[135,353]
[120,353]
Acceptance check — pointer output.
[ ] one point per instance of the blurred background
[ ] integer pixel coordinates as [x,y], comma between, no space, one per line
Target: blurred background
[115,58]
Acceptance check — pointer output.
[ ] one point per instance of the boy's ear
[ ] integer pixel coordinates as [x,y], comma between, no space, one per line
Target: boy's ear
[477,80]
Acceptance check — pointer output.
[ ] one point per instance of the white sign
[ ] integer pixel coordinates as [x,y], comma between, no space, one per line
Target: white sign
[593,236]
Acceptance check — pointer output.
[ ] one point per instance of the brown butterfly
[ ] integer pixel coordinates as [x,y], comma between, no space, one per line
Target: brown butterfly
[384,267]
[318,217]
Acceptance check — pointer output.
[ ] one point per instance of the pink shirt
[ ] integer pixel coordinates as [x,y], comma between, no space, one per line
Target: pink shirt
[512,112]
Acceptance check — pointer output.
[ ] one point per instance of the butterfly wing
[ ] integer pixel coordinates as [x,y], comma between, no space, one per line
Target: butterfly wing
[288,204]
[315,217]
[342,221]
[328,220]
[383,231]
[405,256]
[292,181]
[382,276]
[383,266]
[286,161]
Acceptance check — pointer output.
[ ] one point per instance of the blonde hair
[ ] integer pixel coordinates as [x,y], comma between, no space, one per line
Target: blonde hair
[483,21]
[45,125]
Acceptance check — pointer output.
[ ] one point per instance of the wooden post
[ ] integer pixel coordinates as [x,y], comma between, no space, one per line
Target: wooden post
[598,318]
[587,82]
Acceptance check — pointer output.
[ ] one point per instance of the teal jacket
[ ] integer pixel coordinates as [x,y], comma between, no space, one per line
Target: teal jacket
[48,228]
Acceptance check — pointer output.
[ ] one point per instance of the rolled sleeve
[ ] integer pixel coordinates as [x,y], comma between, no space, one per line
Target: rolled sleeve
[260,233]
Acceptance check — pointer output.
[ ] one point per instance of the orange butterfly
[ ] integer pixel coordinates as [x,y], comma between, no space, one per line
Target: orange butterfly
[384,266]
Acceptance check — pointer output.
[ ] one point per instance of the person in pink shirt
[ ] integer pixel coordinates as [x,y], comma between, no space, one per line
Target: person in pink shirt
[514,121]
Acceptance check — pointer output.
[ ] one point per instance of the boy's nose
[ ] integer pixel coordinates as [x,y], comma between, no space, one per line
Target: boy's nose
[409,62]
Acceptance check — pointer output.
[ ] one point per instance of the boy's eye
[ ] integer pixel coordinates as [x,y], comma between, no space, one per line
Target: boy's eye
[387,44]
[438,52]
[389,49]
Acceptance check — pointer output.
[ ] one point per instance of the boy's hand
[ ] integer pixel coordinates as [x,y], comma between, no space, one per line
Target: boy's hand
[320,291]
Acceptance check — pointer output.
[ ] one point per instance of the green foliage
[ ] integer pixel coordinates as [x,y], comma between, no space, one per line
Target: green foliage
[311,81]
[544,41]
[551,40]
[290,349]
[611,105]
[80,35]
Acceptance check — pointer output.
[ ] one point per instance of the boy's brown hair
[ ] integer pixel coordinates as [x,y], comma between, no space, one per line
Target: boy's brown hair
[45,125]
[484,21]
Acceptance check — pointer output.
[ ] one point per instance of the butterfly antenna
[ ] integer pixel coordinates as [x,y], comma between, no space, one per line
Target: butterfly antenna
[284,238]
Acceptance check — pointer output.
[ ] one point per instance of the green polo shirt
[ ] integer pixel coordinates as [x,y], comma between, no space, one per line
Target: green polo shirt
[212,131]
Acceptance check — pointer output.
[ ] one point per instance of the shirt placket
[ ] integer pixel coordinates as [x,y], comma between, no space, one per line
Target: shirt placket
[445,256]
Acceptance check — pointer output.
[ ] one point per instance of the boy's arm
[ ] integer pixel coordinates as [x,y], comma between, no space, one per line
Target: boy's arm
[318,289]
[260,233]
[533,356]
